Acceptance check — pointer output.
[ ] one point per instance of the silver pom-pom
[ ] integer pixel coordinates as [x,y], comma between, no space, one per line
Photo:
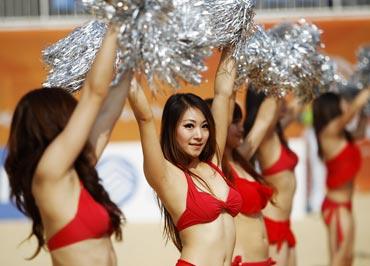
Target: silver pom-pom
[360,79]
[307,34]
[306,71]
[284,59]
[149,42]
[258,61]
[70,58]
[216,23]
[231,20]
[325,74]
[361,76]
[165,40]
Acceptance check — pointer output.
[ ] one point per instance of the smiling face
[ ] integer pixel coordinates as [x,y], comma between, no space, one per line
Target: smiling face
[192,132]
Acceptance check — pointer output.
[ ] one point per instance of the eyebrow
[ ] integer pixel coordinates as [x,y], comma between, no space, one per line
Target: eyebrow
[189,120]
[192,120]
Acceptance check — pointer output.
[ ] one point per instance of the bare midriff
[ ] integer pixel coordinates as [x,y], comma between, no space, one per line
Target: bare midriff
[251,239]
[209,244]
[285,185]
[91,252]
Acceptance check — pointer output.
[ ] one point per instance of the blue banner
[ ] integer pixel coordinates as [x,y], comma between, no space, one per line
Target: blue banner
[7,209]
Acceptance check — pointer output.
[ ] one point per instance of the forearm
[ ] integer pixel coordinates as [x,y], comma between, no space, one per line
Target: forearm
[360,130]
[355,106]
[231,108]
[265,122]
[225,76]
[109,114]
[361,99]
[100,75]
[139,104]
[154,162]
[253,140]
[115,101]
[223,91]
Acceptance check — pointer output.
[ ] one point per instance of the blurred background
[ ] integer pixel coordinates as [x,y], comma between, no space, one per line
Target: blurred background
[29,26]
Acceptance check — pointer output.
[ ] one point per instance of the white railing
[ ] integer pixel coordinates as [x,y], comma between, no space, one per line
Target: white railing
[51,9]
[299,4]
[39,8]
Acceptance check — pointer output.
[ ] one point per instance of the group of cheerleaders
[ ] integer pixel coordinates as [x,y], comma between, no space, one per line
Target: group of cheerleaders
[218,210]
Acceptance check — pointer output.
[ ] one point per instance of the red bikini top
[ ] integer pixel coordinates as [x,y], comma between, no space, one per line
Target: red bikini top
[343,167]
[91,221]
[287,161]
[202,207]
[255,195]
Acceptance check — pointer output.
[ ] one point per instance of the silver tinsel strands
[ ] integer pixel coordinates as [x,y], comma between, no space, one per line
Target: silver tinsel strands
[70,58]
[195,21]
[284,59]
[165,40]
[258,62]
[233,25]
[231,20]
[361,76]
[150,42]
[216,22]
[359,80]
[325,74]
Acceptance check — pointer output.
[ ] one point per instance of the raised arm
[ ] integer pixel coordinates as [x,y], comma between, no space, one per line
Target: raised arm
[231,108]
[109,114]
[338,124]
[292,110]
[61,154]
[360,131]
[224,85]
[154,161]
[266,120]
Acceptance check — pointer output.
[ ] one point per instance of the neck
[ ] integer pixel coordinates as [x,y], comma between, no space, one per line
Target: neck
[194,163]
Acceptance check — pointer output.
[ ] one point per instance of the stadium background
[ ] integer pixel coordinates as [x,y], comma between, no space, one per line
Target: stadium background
[28,26]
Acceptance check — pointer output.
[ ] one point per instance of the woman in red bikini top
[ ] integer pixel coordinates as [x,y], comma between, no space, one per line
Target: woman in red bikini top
[343,160]
[54,144]
[183,168]
[265,141]
[251,246]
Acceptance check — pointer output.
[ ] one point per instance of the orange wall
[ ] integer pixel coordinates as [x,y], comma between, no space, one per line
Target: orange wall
[21,67]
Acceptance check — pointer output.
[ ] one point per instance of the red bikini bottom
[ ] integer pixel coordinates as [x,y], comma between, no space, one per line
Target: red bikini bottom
[279,232]
[181,262]
[238,262]
[330,210]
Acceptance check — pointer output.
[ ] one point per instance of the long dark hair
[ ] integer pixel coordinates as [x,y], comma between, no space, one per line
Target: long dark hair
[173,110]
[325,108]
[253,102]
[39,117]
[236,156]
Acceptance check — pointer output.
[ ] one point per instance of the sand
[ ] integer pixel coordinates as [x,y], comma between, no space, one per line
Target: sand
[144,245]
